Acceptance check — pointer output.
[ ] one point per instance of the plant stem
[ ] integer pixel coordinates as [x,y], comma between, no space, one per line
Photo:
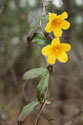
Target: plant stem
[44,7]
[41,110]
[50,68]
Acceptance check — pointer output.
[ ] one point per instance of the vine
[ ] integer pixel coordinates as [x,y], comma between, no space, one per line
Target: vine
[54,50]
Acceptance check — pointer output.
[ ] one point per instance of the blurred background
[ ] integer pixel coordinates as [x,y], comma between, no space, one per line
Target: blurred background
[17,57]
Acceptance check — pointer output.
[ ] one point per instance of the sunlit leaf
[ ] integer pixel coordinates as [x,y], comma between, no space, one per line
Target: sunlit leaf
[27,110]
[34,73]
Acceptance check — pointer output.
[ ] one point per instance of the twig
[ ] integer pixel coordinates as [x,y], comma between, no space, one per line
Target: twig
[41,110]
[39,115]
[44,7]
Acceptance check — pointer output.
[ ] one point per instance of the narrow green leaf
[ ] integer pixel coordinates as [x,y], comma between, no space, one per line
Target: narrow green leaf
[34,73]
[27,110]
[38,21]
[40,39]
[44,19]
[42,86]
[36,24]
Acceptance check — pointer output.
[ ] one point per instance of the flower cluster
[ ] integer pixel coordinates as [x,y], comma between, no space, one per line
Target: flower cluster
[56,50]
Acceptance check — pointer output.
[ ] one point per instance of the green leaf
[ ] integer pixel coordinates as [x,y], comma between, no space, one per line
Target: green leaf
[40,39]
[38,21]
[34,73]
[42,86]
[44,19]
[27,110]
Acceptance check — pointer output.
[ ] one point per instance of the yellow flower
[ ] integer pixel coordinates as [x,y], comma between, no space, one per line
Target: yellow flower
[57,23]
[55,51]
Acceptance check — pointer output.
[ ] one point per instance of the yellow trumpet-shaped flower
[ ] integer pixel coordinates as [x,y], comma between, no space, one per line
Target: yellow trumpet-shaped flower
[55,51]
[57,23]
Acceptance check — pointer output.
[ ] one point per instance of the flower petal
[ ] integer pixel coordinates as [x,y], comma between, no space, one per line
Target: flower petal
[52,16]
[51,59]
[48,27]
[45,51]
[63,57]
[57,32]
[65,25]
[55,41]
[63,16]
[65,47]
